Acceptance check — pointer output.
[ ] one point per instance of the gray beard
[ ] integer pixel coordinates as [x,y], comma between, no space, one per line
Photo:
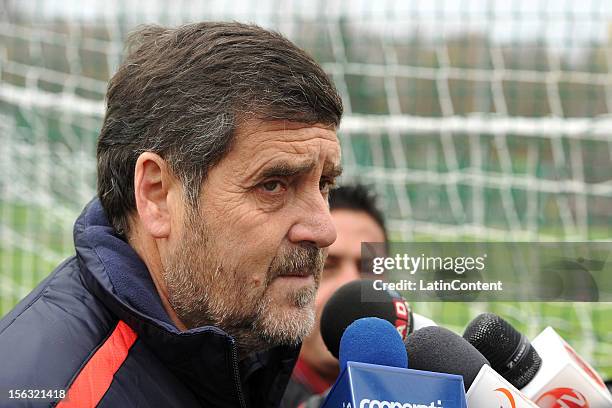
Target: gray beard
[202,293]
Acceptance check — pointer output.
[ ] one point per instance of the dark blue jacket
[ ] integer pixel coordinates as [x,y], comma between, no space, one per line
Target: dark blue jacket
[97,328]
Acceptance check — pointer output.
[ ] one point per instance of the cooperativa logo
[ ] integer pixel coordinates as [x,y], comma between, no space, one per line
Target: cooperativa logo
[366,403]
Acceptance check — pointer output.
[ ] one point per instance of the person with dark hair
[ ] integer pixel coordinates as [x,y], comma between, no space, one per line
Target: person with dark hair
[357,219]
[197,265]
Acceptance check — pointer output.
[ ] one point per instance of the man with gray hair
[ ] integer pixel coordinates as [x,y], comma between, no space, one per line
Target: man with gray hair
[197,265]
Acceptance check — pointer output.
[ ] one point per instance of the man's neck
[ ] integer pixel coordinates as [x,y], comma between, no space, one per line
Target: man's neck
[147,250]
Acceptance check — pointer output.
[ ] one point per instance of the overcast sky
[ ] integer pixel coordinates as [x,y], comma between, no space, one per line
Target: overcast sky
[560,23]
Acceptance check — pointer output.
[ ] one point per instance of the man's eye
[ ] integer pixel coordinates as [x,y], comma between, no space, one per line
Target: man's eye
[329,265]
[272,186]
[332,262]
[330,269]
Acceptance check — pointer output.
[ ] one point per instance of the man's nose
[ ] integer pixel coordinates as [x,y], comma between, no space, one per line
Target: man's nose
[314,224]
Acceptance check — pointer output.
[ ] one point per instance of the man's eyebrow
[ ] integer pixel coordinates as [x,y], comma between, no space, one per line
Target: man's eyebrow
[284,169]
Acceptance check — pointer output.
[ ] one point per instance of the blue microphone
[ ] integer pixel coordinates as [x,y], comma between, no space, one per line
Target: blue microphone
[373,360]
[359,337]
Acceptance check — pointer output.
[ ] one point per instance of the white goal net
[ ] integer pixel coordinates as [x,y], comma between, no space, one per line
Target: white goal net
[480,120]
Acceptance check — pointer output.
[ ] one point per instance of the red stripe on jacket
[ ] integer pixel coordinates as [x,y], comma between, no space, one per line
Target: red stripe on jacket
[95,378]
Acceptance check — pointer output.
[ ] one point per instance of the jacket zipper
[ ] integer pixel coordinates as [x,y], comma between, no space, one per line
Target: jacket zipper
[237,382]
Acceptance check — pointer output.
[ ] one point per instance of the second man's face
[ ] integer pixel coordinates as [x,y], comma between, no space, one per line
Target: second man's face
[342,266]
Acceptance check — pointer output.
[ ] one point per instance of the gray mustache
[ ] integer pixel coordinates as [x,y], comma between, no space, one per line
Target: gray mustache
[300,261]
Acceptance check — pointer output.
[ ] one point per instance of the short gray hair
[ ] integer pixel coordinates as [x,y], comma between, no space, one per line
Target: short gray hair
[182,93]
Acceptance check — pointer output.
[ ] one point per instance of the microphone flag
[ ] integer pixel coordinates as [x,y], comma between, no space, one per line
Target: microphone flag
[490,389]
[565,379]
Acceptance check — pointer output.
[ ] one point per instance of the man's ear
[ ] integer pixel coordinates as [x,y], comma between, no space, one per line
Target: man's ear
[153,187]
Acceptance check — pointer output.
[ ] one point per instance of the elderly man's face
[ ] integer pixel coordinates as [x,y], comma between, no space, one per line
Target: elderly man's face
[250,259]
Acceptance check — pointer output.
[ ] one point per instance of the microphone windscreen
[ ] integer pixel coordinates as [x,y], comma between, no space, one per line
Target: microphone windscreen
[437,349]
[347,304]
[374,341]
[510,353]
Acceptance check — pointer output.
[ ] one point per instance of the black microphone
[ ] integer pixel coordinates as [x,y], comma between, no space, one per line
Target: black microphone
[547,370]
[510,352]
[440,350]
[347,305]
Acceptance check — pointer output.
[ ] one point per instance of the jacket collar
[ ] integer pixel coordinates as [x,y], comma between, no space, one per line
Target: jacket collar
[204,358]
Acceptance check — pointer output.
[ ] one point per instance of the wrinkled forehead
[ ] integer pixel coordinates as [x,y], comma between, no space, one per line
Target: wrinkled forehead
[261,132]
[307,146]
